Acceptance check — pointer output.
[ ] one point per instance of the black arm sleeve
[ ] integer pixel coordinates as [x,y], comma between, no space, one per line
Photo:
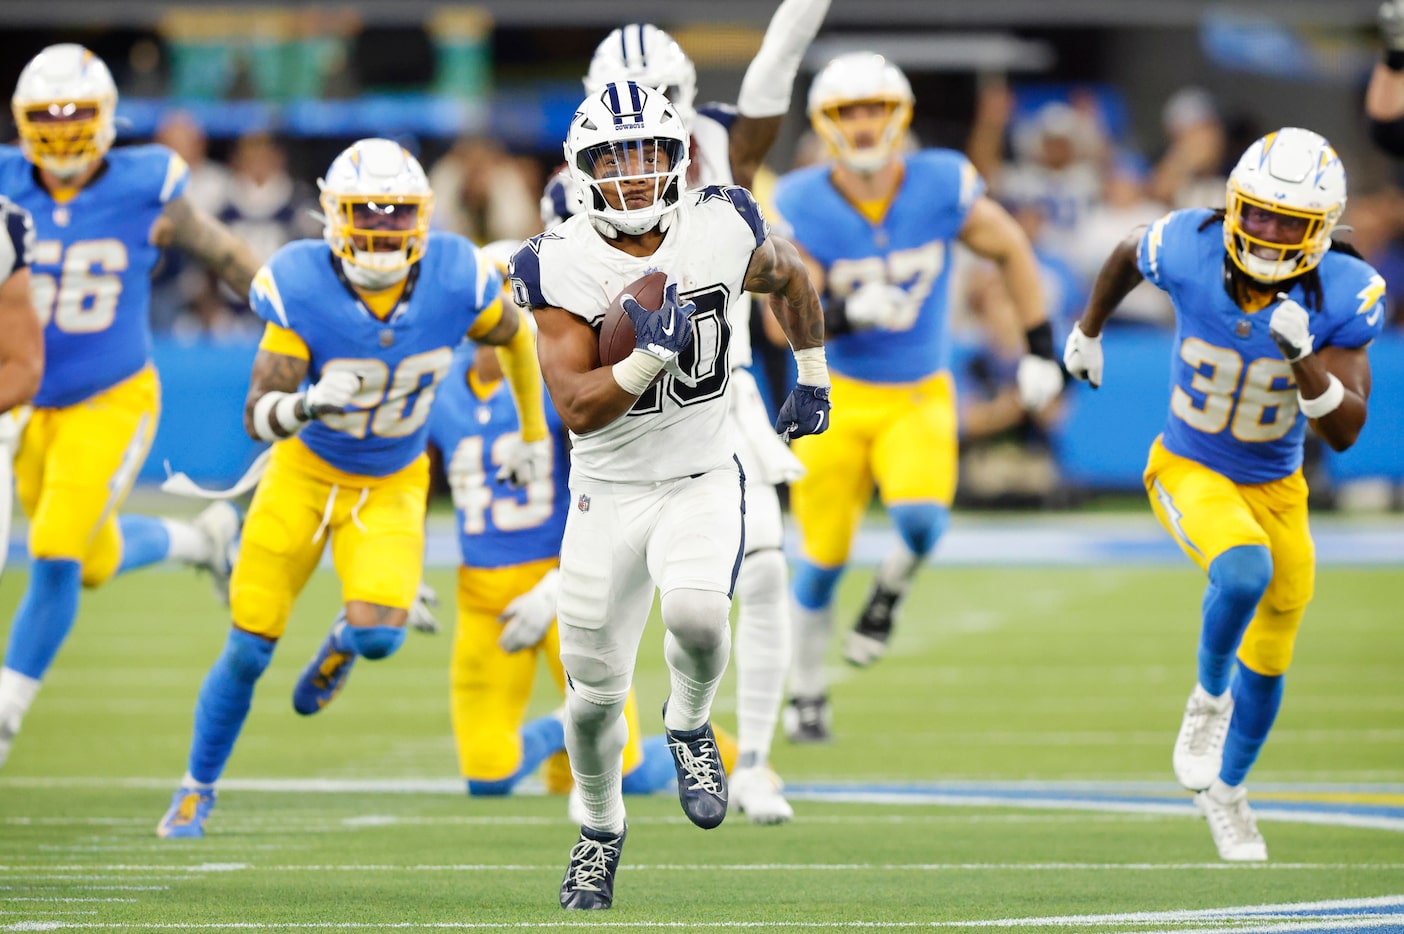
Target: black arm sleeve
[1389,136]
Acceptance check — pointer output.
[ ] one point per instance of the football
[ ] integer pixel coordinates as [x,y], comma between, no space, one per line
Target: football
[616,330]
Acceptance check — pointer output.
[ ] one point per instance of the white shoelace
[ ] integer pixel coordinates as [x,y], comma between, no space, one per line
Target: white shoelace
[701,769]
[589,863]
[1208,729]
[1235,820]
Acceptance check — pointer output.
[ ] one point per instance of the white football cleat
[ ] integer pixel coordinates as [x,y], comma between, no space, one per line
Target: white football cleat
[756,791]
[9,729]
[1199,749]
[220,522]
[1231,822]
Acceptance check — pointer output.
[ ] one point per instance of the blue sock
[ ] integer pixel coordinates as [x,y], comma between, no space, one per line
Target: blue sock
[1255,701]
[813,585]
[45,615]
[1237,580]
[144,541]
[541,739]
[371,642]
[656,772]
[224,702]
[920,525]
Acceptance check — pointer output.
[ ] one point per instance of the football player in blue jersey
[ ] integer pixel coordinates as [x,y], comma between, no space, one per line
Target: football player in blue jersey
[877,227]
[366,319]
[1272,325]
[21,347]
[101,217]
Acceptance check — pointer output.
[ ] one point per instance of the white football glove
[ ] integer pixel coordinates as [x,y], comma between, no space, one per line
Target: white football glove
[1290,327]
[331,394]
[1391,21]
[421,611]
[1082,355]
[879,305]
[1040,380]
[527,618]
[524,461]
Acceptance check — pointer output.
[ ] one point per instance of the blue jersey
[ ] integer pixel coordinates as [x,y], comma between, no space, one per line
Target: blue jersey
[498,525]
[400,360]
[1233,403]
[908,248]
[93,259]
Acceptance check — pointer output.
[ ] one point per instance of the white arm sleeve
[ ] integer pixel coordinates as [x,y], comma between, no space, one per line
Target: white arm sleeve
[765,91]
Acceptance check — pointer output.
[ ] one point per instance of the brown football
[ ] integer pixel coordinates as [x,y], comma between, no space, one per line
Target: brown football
[616,330]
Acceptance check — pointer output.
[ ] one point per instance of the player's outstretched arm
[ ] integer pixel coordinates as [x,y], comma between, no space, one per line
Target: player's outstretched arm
[275,376]
[586,395]
[516,351]
[21,343]
[1332,383]
[191,230]
[777,268]
[1082,355]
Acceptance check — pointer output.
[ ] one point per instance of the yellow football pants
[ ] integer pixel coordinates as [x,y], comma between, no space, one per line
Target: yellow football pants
[376,527]
[1208,514]
[900,438]
[75,467]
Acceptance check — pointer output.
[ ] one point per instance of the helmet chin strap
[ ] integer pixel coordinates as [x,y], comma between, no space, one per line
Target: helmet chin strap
[373,279]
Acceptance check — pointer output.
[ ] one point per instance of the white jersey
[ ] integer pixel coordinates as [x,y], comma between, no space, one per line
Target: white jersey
[673,430]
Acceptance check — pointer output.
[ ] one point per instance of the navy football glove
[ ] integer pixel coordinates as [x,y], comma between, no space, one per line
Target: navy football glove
[805,412]
[664,333]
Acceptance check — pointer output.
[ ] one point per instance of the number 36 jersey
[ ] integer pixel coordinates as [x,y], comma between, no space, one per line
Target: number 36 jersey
[1233,402]
[92,264]
[673,430]
[401,360]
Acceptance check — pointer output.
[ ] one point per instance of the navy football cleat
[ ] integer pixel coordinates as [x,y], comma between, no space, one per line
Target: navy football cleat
[324,676]
[701,775]
[589,878]
[807,719]
[186,816]
[868,640]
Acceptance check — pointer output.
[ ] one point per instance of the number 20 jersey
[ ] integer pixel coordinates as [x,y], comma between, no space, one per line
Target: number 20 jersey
[93,257]
[1233,402]
[673,430]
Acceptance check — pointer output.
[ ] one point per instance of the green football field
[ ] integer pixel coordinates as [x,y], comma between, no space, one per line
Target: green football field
[1007,766]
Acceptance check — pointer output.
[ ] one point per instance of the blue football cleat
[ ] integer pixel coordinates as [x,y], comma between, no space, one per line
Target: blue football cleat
[701,776]
[324,676]
[190,807]
[589,879]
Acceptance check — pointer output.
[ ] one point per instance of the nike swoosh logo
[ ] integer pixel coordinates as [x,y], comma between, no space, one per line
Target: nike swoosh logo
[1374,319]
[668,328]
[819,422]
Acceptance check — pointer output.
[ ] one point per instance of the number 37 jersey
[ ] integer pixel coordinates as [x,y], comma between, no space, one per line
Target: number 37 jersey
[92,263]
[1233,401]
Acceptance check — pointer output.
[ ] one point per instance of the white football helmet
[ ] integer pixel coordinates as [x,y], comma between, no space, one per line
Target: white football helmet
[64,104]
[861,78]
[645,54]
[1284,198]
[627,152]
[376,202]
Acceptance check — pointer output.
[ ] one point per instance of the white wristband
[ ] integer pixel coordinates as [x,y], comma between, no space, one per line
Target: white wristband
[765,90]
[1326,403]
[282,409]
[811,368]
[635,372]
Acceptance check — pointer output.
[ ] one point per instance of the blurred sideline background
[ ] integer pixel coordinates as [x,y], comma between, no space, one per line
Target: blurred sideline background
[1087,118]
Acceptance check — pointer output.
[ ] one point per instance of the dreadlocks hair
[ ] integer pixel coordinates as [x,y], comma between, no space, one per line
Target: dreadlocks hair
[1237,283]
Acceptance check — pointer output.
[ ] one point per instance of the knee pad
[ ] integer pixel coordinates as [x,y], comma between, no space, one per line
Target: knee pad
[921,525]
[247,655]
[762,577]
[1242,573]
[374,641]
[814,585]
[698,619]
[587,707]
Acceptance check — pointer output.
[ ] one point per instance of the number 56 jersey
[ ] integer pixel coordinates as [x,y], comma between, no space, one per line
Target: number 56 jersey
[1233,402]
[673,430]
[314,313]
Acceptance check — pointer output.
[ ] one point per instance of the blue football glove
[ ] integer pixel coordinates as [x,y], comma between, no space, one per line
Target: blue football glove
[664,333]
[805,412]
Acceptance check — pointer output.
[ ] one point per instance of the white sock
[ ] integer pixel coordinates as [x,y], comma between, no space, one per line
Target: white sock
[189,782]
[595,735]
[17,692]
[188,544]
[762,651]
[898,568]
[812,630]
[693,678]
[603,798]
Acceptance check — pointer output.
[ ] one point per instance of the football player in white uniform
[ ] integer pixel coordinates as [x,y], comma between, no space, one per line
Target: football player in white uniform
[728,146]
[655,482]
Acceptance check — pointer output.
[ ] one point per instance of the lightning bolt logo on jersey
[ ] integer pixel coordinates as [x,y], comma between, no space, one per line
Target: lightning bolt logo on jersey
[92,264]
[498,525]
[401,360]
[1233,404]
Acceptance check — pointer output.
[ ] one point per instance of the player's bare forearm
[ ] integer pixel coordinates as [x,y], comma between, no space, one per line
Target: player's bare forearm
[1384,97]
[191,230]
[990,231]
[750,139]
[1341,427]
[21,343]
[585,394]
[778,270]
[272,372]
[1115,280]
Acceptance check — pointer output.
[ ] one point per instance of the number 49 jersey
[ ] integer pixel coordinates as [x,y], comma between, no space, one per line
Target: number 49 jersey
[1233,402]
[92,263]
[400,360]
[673,430]
[498,525]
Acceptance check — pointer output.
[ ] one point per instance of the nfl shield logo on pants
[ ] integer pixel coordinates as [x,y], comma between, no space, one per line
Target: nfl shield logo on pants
[583,503]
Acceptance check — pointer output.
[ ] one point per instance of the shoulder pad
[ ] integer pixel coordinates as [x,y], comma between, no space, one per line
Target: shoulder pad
[524,272]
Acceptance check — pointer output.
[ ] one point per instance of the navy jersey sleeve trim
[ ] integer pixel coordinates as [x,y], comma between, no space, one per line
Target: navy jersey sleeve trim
[722,114]
[524,274]
[20,229]
[746,206]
